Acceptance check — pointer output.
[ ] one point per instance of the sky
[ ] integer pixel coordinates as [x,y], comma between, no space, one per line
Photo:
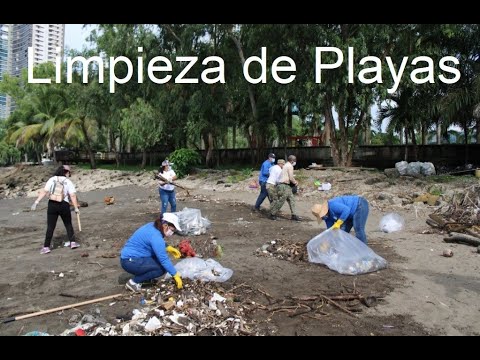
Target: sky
[75,36]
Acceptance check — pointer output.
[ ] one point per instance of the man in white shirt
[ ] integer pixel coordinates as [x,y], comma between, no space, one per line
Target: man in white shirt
[274,179]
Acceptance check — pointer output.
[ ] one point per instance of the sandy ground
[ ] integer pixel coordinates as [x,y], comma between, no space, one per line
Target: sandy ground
[423,292]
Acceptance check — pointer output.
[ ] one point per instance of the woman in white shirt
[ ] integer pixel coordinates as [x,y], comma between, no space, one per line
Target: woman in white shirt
[60,190]
[166,189]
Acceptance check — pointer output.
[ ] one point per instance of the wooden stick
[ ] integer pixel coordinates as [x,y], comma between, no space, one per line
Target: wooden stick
[462,238]
[173,183]
[338,305]
[79,223]
[43,312]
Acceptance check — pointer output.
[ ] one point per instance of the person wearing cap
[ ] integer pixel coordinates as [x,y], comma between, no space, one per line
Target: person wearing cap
[262,179]
[166,188]
[284,190]
[59,208]
[344,212]
[145,254]
[274,179]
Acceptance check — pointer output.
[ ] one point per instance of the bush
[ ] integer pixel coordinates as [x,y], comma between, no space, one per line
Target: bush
[184,160]
[9,155]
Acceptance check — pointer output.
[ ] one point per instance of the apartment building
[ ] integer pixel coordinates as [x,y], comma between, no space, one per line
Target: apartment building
[14,44]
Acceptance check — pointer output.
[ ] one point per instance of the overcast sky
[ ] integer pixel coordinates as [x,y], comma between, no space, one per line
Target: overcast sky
[75,36]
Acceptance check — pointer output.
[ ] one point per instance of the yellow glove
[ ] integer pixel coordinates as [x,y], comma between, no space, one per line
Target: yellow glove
[174,252]
[337,224]
[178,280]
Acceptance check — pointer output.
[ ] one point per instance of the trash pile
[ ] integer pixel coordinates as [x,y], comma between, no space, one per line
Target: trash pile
[199,309]
[199,247]
[284,250]
[460,217]
[415,168]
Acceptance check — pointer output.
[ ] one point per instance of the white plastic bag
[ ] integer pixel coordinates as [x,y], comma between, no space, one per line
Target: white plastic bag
[209,270]
[402,167]
[343,253]
[392,222]
[428,169]
[191,222]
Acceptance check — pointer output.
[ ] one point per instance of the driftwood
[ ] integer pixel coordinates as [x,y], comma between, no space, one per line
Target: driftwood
[462,238]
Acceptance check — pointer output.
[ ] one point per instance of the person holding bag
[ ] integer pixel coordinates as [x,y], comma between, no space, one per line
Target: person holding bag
[60,190]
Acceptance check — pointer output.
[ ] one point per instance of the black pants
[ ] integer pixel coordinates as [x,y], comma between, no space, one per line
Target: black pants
[56,209]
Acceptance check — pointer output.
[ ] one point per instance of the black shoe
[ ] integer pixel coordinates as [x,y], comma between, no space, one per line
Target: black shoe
[295,218]
[254,209]
[273,217]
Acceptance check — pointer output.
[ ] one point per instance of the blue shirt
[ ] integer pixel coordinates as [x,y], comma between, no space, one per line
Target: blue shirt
[341,207]
[147,241]
[265,171]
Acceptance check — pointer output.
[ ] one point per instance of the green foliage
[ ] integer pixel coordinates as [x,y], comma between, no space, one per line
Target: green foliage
[239,175]
[9,155]
[385,139]
[184,160]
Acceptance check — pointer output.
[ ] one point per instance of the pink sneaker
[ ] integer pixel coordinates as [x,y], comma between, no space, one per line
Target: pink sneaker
[45,250]
[74,245]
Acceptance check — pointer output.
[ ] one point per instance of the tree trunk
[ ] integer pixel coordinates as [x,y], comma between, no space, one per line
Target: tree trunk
[144,159]
[478,131]
[406,144]
[289,124]
[327,131]
[363,119]
[234,136]
[368,133]
[466,132]
[210,158]
[88,146]
[424,134]
[414,142]
[439,133]
[330,124]
[401,137]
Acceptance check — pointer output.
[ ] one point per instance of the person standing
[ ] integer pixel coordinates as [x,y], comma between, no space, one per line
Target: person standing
[284,190]
[262,179]
[274,179]
[60,190]
[145,252]
[166,188]
[344,212]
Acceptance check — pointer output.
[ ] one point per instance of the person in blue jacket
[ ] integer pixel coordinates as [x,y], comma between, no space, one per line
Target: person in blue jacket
[262,179]
[145,252]
[344,212]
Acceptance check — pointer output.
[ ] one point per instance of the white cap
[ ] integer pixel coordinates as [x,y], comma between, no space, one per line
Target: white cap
[172,219]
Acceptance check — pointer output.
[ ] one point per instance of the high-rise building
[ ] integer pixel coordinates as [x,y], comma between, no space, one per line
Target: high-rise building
[15,41]
[5,67]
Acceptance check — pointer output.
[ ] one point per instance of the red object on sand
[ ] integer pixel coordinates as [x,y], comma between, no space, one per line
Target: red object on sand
[186,249]
[80,332]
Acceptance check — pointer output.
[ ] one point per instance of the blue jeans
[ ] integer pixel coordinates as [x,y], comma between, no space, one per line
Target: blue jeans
[168,197]
[144,269]
[263,194]
[358,221]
